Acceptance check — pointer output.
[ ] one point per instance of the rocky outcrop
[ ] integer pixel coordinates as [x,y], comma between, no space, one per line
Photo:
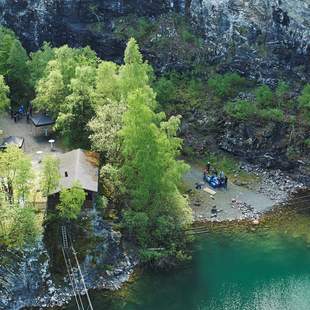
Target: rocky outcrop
[75,22]
[258,38]
[28,278]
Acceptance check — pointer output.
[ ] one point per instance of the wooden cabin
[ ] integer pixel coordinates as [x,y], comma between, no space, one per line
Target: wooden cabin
[81,166]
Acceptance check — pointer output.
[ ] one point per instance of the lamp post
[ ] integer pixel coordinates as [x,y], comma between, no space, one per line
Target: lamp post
[52,141]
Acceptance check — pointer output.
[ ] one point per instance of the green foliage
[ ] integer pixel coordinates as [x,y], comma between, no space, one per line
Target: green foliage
[50,93]
[112,186]
[264,97]
[134,27]
[105,127]
[227,85]
[79,103]
[101,202]
[71,202]
[15,174]
[152,174]
[50,175]
[179,91]
[281,93]
[4,93]
[304,102]
[13,65]
[39,61]
[18,226]
[66,91]
[241,109]
[271,114]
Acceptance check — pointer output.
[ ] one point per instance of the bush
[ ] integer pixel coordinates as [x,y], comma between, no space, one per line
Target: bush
[273,114]
[183,90]
[241,109]
[226,85]
[307,143]
[264,97]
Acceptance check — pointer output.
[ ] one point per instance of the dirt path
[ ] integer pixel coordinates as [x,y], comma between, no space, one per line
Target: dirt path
[34,141]
[244,200]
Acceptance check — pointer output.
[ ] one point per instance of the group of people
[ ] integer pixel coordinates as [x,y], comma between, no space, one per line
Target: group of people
[211,176]
[21,111]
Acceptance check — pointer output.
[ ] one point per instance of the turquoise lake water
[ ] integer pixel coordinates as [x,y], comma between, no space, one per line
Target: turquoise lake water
[262,270]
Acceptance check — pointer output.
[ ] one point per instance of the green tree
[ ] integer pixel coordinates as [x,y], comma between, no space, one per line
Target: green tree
[77,109]
[23,179]
[18,76]
[39,61]
[135,73]
[50,175]
[13,65]
[107,88]
[18,226]
[110,95]
[152,174]
[50,93]
[71,202]
[4,93]
[15,173]
[105,127]
[7,38]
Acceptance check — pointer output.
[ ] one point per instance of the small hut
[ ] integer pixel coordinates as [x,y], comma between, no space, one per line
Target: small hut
[12,140]
[41,121]
[81,166]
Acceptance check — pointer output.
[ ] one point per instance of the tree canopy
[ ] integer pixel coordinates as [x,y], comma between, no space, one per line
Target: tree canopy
[71,202]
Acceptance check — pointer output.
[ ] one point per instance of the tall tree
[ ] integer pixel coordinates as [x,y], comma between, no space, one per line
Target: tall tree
[78,109]
[18,76]
[13,66]
[50,93]
[50,175]
[15,173]
[158,211]
[39,61]
[4,93]
[135,73]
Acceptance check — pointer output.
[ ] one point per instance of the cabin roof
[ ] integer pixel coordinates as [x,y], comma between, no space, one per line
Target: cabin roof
[81,166]
[41,120]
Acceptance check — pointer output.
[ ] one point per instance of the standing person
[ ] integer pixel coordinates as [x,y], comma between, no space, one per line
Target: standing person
[30,109]
[208,167]
[205,174]
[225,182]
[222,175]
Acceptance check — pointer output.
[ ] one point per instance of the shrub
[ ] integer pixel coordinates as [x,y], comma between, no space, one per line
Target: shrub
[264,97]
[241,109]
[304,103]
[272,114]
[226,85]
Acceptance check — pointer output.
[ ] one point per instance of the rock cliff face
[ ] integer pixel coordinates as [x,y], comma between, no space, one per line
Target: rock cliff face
[255,37]
[75,22]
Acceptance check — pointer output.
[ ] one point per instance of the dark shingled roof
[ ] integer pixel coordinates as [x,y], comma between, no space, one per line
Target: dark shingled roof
[18,141]
[79,165]
[41,120]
